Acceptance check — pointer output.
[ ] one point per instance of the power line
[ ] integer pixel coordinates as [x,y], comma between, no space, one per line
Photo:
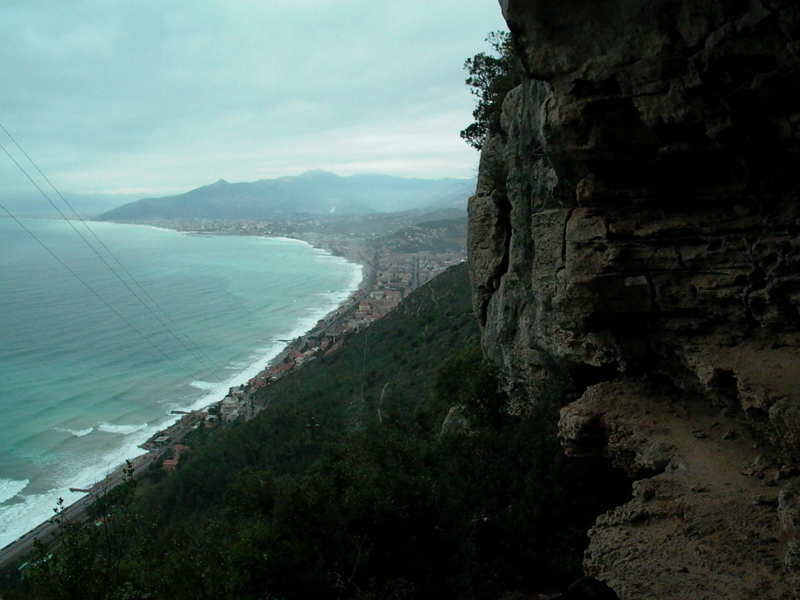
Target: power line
[111,254]
[99,297]
[105,262]
[116,260]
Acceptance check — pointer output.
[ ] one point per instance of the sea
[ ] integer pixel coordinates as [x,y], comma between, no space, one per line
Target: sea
[100,341]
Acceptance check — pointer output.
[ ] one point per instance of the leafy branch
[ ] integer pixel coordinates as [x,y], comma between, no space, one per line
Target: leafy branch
[491,77]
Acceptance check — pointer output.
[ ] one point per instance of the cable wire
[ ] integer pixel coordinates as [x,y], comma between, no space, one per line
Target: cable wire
[214,366]
[99,297]
[111,254]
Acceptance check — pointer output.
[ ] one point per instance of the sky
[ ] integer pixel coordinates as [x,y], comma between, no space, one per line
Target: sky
[160,97]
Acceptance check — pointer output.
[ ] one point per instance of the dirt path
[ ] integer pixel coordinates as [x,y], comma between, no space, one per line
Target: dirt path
[706,526]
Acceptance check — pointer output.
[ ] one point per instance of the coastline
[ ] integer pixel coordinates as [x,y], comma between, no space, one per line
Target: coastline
[276,356]
[278,350]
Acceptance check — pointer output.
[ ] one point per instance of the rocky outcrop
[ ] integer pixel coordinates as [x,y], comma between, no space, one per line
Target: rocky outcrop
[701,523]
[635,233]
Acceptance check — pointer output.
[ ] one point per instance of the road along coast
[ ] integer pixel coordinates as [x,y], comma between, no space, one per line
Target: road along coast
[161,445]
[390,270]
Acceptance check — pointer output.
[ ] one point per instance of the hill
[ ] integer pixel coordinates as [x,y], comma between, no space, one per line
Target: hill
[312,193]
[346,486]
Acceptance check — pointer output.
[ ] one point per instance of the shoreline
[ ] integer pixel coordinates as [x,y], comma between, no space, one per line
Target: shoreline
[187,420]
[183,423]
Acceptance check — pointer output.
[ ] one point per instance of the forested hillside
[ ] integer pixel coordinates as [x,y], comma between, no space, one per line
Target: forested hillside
[346,487]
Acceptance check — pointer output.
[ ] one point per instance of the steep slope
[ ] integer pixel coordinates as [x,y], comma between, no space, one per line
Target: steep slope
[635,240]
[347,485]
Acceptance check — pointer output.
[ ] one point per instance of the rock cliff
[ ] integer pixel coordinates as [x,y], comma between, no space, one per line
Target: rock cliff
[635,250]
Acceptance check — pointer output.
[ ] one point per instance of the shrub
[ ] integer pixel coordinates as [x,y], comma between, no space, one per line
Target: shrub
[491,77]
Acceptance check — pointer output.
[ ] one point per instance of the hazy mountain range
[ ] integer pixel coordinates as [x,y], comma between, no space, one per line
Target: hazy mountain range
[313,192]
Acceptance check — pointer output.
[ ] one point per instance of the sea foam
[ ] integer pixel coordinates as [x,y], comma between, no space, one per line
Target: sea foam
[203,385]
[19,518]
[11,487]
[121,429]
[75,432]
[131,401]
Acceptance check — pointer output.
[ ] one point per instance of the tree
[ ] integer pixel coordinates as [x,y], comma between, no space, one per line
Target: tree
[468,380]
[86,562]
[491,77]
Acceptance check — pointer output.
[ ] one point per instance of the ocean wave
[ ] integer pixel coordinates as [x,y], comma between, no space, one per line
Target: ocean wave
[79,459]
[259,361]
[284,239]
[357,276]
[75,432]
[11,487]
[323,256]
[121,429]
[204,385]
[334,296]
[19,518]
[94,466]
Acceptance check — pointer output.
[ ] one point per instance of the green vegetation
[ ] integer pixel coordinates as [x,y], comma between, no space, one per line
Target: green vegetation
[437,237]
[345,487]
[88,562]
[491,77]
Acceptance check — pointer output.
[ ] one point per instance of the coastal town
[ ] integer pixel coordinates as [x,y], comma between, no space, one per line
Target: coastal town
[394,266]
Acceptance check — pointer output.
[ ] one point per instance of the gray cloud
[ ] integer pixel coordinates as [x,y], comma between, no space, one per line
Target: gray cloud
[163,96]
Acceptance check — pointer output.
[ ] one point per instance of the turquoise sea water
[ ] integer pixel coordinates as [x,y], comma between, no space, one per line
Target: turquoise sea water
[80,389]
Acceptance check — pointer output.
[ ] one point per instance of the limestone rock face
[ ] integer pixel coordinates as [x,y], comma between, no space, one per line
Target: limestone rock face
[697,526]
[639,217]
[789,513]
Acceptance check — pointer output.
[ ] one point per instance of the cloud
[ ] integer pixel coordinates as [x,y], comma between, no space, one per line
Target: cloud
[166,96]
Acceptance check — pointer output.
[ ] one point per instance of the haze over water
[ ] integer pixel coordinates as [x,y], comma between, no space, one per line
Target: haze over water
[80,389]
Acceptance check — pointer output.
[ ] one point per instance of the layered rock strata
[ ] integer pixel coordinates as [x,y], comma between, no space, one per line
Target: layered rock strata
[635,243]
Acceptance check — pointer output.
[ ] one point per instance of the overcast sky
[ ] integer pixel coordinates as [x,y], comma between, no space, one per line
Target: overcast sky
[156,97]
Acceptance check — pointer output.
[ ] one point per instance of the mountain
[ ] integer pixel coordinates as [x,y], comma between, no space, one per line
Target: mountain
[313,192]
